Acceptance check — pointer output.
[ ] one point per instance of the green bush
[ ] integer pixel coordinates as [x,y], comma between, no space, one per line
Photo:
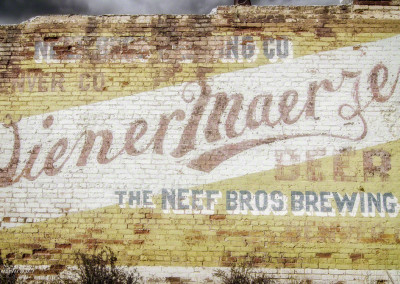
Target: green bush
[8,272]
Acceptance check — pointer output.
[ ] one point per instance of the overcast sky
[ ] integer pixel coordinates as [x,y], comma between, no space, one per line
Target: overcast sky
[15,11]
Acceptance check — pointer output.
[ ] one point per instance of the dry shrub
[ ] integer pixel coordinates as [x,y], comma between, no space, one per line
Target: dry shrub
[8,272]
[243,273]
[99,268]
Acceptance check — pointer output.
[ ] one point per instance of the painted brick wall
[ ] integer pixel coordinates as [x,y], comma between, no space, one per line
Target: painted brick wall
[187,142]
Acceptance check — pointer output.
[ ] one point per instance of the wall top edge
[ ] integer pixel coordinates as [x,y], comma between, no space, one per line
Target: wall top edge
[219,12]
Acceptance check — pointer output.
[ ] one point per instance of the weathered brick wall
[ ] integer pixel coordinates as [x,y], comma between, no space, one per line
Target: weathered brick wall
[190,142]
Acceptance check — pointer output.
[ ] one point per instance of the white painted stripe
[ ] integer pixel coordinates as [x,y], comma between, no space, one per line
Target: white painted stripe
[94,185]
[159,274]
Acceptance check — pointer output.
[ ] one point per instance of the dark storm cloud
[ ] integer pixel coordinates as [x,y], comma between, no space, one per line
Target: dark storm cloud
[184,6]
[15,11]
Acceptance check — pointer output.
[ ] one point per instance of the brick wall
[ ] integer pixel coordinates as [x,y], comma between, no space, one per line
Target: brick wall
[187,142]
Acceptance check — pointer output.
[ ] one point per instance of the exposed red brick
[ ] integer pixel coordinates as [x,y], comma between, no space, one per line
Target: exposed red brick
[57,268]
[114,242]
[94,230]
[93,241]
[287,260]
[63,246]
[355,256]
[257,260]
[142,231]
[324,32]
[40,251]
[51,38]
[6,219]
[10,256]
[289,265]
[241,233]
[217,217]
[30,246]
[220,233]
[324,254]
[40,272]
[26,256]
